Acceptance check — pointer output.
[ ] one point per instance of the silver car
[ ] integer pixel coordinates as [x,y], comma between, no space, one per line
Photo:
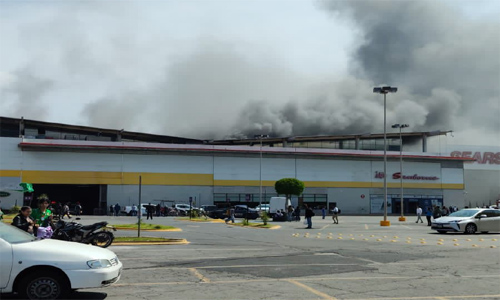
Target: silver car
[469,221]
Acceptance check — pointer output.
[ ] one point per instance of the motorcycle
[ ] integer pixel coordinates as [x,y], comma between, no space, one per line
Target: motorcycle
[98,234]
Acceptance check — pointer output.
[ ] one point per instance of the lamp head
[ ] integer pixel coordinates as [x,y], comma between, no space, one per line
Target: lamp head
[385,90]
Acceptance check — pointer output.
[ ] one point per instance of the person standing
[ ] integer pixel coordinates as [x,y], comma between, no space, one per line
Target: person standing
[297,213]
[323,212]
[149,211]
[117,209]
[309,214]
[43,219]
[335,216]
[23,220]
[428,215]
[419,214]
[158,210]
[78,209]
[134,210]
[290,213]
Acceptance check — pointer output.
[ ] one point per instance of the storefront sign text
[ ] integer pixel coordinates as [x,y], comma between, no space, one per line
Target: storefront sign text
[397,175]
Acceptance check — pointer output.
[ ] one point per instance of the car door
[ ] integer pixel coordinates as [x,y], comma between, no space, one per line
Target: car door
[487,223]
[494,220]
[5,263]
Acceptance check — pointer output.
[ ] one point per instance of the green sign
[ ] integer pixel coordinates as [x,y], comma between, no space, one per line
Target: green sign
[4,194]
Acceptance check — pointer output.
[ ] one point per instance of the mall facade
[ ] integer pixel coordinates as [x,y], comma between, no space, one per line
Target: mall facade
[99,172]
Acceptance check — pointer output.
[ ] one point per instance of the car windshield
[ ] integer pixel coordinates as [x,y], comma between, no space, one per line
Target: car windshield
[464,213]
[14,235]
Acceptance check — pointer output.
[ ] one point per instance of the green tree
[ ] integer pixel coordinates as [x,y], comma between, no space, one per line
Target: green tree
[289,187]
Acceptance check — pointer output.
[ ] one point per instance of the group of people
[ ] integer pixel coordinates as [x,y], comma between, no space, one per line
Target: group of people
[434,212]
[36,221]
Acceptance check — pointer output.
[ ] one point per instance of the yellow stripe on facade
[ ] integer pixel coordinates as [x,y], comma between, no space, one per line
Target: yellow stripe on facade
[131,178]
[10,173]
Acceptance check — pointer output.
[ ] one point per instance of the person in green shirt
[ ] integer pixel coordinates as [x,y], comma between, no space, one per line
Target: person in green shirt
[42,215]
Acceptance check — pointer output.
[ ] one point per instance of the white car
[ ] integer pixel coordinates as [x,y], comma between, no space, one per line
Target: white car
[50,269]
[469,221]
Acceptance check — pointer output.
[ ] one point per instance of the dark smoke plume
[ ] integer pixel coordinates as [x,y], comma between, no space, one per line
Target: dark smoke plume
[447,68]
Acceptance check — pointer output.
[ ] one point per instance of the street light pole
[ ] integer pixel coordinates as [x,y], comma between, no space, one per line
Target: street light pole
[385,90]
[260,137]
[401,126]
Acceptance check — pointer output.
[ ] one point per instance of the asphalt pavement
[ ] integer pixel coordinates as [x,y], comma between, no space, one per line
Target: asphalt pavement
[356,259]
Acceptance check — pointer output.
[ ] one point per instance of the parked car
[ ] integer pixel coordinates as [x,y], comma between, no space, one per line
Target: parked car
[241,212]
[56,268]
[469,221]
[219,213]
[208,208]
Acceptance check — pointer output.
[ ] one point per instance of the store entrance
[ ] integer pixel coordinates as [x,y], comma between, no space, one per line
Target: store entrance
[87,195]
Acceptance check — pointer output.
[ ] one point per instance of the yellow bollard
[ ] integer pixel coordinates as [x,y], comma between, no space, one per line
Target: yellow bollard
[408,242]
[393,241]
[378,240]
[440,243]
[456,244]
[339,238]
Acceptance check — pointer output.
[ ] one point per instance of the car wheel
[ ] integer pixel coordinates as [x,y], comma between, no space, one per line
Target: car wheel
[44,285]
[441,231]
[470,228]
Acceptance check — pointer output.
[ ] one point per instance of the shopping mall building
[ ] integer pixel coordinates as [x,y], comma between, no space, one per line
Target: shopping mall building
[99,167]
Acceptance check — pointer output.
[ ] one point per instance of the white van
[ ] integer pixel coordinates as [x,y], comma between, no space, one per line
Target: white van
[280,203]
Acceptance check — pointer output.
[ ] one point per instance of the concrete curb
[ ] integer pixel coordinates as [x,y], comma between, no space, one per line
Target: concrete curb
[173,242]
[203,221]
[272,228]
[135,229]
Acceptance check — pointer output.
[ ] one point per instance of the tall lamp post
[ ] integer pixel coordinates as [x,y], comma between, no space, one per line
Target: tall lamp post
[385,90]
[260,137]
[401,126]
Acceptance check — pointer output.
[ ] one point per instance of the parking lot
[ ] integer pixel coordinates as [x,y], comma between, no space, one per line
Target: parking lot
[356,259]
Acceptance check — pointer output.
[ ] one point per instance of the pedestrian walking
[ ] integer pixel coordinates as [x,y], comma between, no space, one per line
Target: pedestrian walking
[111,210]
[66,211]
[419,214]
[309,214]
[428,215]
[133,212]
[230,215]
[335,216]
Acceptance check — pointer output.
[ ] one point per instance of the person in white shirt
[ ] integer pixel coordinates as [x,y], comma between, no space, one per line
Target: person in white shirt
[419,214]
[335,215]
